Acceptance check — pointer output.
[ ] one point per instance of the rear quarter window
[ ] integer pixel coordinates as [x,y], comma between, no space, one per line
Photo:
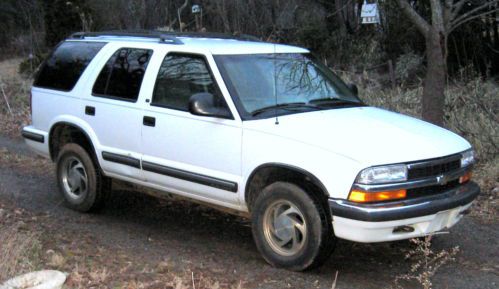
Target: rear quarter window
[66,64]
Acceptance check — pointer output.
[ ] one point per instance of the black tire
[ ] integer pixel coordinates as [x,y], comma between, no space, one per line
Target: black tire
[91,195]
[318,241]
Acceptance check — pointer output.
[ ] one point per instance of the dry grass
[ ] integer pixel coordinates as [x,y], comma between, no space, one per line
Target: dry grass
[29,243]
[22,163]
[84,277]
[14,94]
[20,247]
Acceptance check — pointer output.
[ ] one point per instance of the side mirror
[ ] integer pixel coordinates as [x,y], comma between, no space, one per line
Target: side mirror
[353,88]
[205,104]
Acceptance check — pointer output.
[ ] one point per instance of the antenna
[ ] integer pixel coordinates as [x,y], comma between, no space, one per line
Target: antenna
[275,85]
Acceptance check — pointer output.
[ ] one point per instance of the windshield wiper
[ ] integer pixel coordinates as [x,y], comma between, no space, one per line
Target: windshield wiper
[285,106]
[332,101]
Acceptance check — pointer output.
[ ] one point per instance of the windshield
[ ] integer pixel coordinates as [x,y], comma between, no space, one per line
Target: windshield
[284,83]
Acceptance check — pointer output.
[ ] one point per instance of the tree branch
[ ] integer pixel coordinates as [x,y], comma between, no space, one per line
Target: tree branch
[422,25]
[456,25]
[473,11]
[447,12]
[457,8]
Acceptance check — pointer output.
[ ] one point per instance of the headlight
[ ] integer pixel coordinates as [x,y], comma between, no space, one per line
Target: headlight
[467,158]
[382,174]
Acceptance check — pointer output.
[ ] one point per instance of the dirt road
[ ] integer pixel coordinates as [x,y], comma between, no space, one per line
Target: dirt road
[219,246]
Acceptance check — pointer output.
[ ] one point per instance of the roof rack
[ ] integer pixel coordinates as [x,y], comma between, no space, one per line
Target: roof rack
[235,36]
[164,36]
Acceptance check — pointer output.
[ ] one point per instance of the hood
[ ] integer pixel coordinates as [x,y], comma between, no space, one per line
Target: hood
[368,135]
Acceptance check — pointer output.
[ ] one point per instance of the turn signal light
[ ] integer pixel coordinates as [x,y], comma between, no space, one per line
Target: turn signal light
[465,178]
[367,197]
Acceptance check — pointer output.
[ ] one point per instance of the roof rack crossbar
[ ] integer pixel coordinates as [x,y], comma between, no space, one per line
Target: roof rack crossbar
[165,36]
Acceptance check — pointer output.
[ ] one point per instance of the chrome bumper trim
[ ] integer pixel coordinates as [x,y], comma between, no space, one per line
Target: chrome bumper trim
[405,209]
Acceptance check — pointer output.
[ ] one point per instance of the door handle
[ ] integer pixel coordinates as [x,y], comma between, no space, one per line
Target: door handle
[149,121]
[89,110]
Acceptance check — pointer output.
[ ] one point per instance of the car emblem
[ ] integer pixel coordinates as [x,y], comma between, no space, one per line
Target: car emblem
[442,180]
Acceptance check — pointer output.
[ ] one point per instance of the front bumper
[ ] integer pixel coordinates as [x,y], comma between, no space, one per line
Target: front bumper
[419,216]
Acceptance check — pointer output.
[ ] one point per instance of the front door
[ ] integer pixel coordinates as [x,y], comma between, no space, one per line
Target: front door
[191,155]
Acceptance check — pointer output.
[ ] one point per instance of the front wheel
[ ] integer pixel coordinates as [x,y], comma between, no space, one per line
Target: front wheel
[291,229]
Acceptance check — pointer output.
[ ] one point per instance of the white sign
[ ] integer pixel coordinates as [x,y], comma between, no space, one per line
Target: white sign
[370,13]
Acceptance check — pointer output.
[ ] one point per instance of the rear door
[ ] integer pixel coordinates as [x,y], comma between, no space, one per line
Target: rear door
[111,108]
[187,154]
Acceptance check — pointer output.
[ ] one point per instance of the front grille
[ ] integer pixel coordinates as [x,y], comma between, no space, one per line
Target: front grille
[431,190]
[430,168]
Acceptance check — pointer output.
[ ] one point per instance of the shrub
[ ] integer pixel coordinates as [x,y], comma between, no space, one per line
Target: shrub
[27,67]
[425,263]
[408,67]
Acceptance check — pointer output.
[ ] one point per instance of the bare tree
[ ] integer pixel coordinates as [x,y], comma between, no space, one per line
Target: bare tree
[446,16]
[179,13]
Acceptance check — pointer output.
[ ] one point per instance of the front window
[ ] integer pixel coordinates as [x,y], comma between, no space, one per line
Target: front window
[180,77]
[264,85]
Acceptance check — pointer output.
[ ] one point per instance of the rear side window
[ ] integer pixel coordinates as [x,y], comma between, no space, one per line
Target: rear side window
[180,77]
[64,67]
[122,75]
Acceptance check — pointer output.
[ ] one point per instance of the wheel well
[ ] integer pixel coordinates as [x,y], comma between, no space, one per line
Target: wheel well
[268,174]
[64,133]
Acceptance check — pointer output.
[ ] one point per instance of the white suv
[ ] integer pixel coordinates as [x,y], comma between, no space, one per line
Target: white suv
[262,129]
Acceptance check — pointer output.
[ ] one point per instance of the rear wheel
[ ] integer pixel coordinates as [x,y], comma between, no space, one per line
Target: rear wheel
[80,182]
[291,228]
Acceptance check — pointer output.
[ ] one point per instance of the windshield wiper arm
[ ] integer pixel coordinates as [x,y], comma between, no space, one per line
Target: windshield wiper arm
[289,105]
[334,101]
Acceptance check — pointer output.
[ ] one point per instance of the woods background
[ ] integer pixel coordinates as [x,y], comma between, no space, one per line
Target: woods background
[330,28]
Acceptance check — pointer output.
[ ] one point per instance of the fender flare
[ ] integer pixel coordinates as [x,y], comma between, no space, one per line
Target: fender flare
[296,169]
[76,126]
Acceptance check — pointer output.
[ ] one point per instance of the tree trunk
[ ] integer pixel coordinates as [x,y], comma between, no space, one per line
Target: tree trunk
[340,16]
[434,84]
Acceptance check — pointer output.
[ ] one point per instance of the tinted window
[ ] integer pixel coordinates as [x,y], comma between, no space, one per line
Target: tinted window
[122,75]
[64,67]
[181,76]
